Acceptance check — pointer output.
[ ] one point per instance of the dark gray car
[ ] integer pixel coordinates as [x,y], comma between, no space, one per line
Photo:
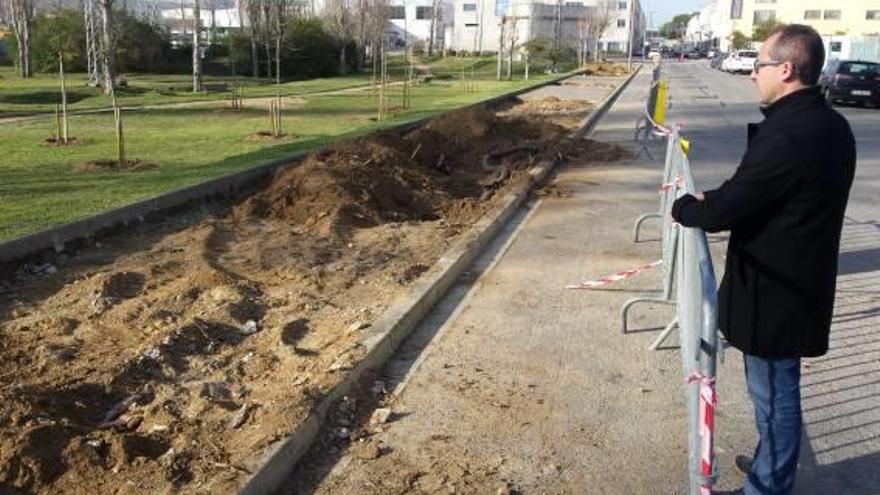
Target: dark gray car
[855,81]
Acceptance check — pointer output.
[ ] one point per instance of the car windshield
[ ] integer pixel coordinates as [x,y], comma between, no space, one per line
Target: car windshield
[858,68]
[748,54]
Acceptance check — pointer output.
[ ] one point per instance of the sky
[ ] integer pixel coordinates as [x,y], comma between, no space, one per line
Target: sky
[664,10]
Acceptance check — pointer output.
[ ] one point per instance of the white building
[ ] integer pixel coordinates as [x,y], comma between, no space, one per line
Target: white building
[477,25]
[719,19]
[411,22]
[180,21]
[616,36]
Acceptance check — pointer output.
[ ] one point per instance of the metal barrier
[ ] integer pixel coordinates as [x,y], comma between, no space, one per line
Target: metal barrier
[651,124]
[668,191]
[697,314]
[689,271]
[689,283]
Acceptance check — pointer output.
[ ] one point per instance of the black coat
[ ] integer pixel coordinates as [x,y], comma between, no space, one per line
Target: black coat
[784,208]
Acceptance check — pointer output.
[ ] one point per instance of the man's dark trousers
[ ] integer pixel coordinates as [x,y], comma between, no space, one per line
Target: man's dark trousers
[774,387]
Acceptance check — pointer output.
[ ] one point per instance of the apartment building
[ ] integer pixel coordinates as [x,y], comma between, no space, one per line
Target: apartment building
[616,36]
[477,23]
[719,19]
[410,22]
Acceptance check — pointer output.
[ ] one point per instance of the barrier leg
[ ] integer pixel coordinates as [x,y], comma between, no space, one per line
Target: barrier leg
[639,221]
[664,334]
[624,310]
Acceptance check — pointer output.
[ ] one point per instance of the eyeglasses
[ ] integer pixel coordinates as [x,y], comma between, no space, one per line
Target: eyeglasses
[770,63]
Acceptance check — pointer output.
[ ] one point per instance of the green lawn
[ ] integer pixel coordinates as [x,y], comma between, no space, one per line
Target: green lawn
[38,188]
[41,93]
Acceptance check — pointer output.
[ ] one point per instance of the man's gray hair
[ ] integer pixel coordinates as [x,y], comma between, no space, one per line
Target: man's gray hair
[802,46]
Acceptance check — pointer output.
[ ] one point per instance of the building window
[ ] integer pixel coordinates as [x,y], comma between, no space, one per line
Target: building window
[469,7]
[812,14]
[574,4]
[397,12]
[873,15]
[736,9]
[832,15]
[613,46]
[501,7]
[471,25]
[835,46]
[621,23]
[423,13]
[764,16]
[621,5]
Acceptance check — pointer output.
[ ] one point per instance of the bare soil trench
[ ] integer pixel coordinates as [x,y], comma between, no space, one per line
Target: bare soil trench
[167,359]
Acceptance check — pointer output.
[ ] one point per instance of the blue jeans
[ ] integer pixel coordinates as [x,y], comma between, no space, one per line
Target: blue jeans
[775,390]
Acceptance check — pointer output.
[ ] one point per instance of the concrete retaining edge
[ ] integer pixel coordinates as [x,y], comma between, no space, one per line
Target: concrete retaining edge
[57,237]
[395,324]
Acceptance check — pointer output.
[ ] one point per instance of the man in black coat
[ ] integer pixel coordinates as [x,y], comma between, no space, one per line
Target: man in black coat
[784,207]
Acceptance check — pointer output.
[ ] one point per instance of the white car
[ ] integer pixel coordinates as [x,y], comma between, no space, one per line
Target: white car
[740,61]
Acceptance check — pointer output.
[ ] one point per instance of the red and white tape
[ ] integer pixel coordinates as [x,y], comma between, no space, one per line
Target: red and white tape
[616,277]
[677,182]
[708,401]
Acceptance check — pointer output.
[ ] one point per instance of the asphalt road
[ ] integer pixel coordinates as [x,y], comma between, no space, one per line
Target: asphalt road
[522,381]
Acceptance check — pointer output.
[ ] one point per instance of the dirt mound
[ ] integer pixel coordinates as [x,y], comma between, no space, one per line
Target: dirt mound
[552,105]
[97,166]
[164,360]
[606,69]
[424,175]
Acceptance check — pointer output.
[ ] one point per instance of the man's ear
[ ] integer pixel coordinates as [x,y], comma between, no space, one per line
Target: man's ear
[788,73]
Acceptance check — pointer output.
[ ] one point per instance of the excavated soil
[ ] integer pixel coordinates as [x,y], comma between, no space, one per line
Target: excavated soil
[166,359]
[552,105]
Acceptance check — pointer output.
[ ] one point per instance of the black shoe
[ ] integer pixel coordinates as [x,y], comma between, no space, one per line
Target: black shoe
[743,463]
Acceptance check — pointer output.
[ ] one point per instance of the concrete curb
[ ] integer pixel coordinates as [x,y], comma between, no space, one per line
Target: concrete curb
[396,323]
[157,207]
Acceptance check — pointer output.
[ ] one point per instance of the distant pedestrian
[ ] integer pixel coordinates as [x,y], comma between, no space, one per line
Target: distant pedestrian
[784,207]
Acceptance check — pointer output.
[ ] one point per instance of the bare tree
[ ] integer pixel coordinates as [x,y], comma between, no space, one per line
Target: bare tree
[21,15]
[108,46]
[93,59]
[339,20]
[254,9]
[501,24]
[512,42]
[436,15]
[196,48]
[600,19]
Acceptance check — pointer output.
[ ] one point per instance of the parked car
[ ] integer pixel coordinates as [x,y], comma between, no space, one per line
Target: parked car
[851,80]
[716,60]
[711,53]
[694,54]
[740,61]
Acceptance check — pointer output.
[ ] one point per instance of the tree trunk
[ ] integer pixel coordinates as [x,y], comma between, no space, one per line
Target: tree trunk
[255,58]
[22,13]
[433,28]
[527,66]
[64,127]
[196,55]
[500,50]
[268,60]
[343,69]
[107,47]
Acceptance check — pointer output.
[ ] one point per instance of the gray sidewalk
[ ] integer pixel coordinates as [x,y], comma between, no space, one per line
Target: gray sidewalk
[527,383]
